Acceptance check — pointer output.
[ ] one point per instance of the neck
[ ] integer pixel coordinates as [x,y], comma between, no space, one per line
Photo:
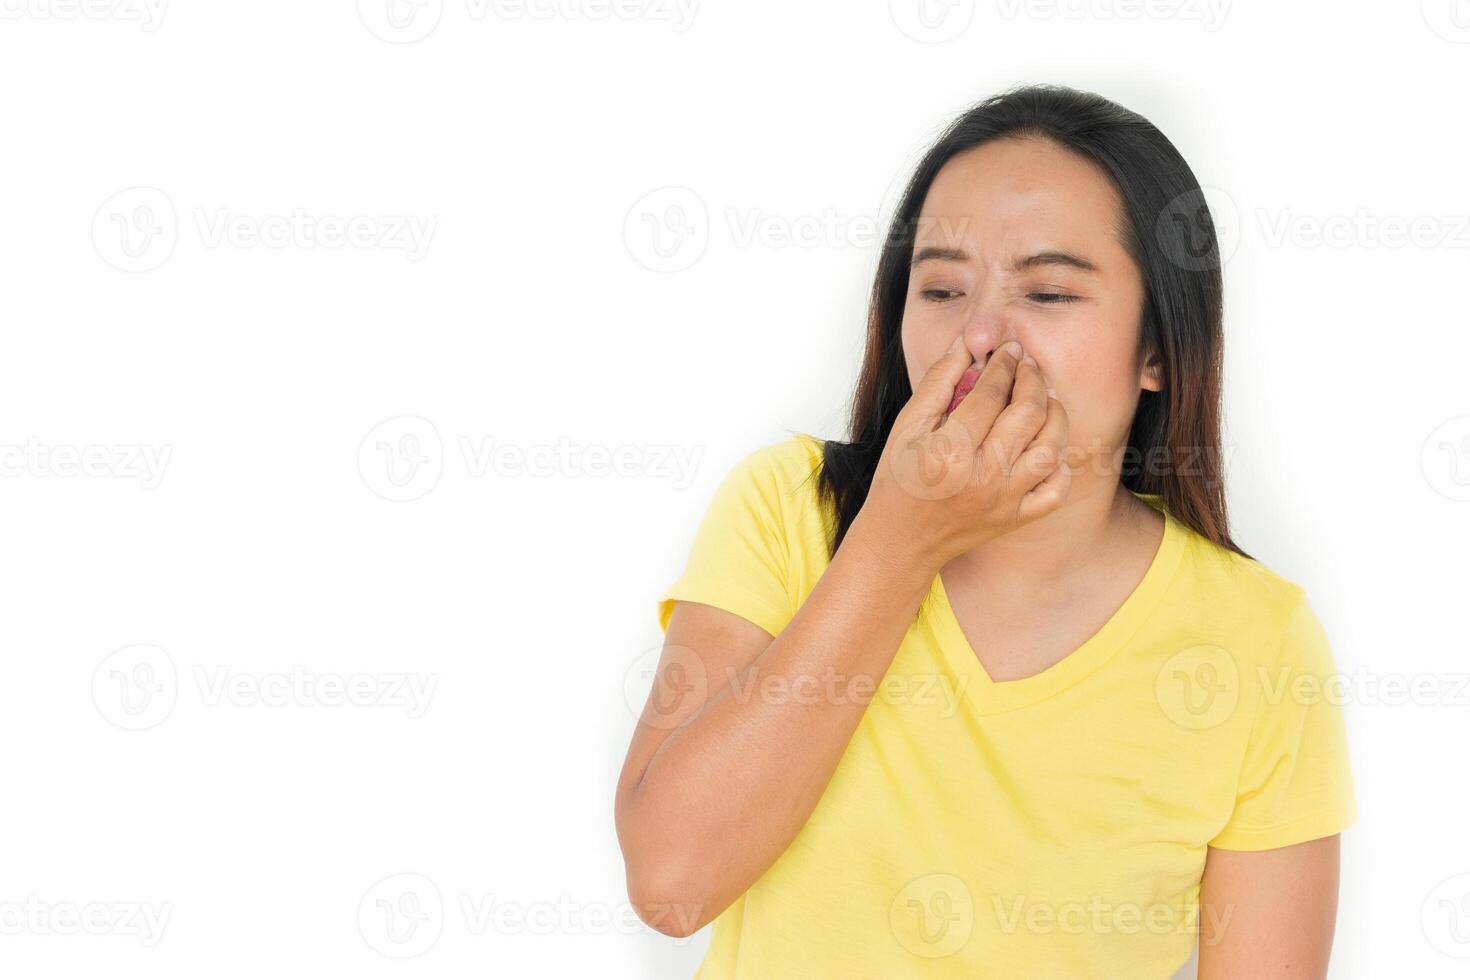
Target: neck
[1060,546]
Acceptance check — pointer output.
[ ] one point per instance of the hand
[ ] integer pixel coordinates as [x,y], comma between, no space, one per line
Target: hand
[949,481]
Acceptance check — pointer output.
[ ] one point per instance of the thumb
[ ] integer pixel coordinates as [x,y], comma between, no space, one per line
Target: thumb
[935,390]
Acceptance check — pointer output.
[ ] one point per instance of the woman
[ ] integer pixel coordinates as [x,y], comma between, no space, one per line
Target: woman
[989,690]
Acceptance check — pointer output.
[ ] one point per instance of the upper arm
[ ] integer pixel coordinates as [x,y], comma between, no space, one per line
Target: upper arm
[1268,898]
[1295,782]
[1269,913]
[704,649]
[736,593]
[740,558]
[732,598]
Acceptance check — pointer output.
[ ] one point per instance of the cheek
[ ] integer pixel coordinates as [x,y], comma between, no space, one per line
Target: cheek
[1092,370]
[924,341]
[911,353]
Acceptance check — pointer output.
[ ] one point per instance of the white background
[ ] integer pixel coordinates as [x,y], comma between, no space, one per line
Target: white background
[205,385]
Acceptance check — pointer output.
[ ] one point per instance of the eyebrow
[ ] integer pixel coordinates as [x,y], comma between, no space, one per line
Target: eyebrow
[1048,257]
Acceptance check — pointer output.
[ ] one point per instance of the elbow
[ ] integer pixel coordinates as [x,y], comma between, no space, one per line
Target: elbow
[665,886]
[665,899]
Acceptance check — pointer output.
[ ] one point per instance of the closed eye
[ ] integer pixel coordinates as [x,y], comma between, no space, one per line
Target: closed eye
[945,295]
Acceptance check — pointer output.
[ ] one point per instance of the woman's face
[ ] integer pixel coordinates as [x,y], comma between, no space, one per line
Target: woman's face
[1017,239]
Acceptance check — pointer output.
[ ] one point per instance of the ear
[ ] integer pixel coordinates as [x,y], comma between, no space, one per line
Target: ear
[1151,375]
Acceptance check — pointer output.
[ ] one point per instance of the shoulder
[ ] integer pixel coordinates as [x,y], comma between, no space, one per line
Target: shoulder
[783,479]
[1234,572]
[1246,597]
[789,460]
[784,470]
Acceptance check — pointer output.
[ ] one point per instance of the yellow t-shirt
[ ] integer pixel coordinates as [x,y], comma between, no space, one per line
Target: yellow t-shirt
[1052,826]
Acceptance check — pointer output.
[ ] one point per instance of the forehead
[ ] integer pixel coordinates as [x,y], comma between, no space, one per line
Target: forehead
[1019,193]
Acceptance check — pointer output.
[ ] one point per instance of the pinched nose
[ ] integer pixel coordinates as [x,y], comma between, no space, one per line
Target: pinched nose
[968,380]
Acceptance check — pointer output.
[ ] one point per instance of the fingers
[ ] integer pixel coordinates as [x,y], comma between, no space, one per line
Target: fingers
[1046,454]
[1022,419]
[992,391]
[1046,496]
[936,387]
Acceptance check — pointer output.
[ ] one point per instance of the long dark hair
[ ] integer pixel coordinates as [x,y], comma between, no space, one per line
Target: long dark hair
[1169,234]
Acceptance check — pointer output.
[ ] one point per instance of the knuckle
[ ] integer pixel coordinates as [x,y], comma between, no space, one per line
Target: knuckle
[989,462]
[1028,413]
[992,390]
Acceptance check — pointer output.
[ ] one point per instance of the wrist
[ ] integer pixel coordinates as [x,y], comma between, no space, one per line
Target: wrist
[897,549]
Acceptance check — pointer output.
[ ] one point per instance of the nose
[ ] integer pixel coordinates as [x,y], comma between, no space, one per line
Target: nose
[985,331]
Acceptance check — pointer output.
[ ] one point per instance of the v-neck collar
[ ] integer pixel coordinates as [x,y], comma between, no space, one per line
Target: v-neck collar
[987,696]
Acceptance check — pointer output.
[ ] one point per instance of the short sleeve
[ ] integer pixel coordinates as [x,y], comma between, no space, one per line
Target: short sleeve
[1296,782]
[739,561]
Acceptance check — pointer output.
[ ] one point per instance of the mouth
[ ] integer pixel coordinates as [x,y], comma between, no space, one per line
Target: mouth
[966,385]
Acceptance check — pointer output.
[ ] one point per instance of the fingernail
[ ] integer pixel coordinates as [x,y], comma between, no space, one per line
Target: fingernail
[1028,359]
[956,345]
[1052,392]
[1012,347]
